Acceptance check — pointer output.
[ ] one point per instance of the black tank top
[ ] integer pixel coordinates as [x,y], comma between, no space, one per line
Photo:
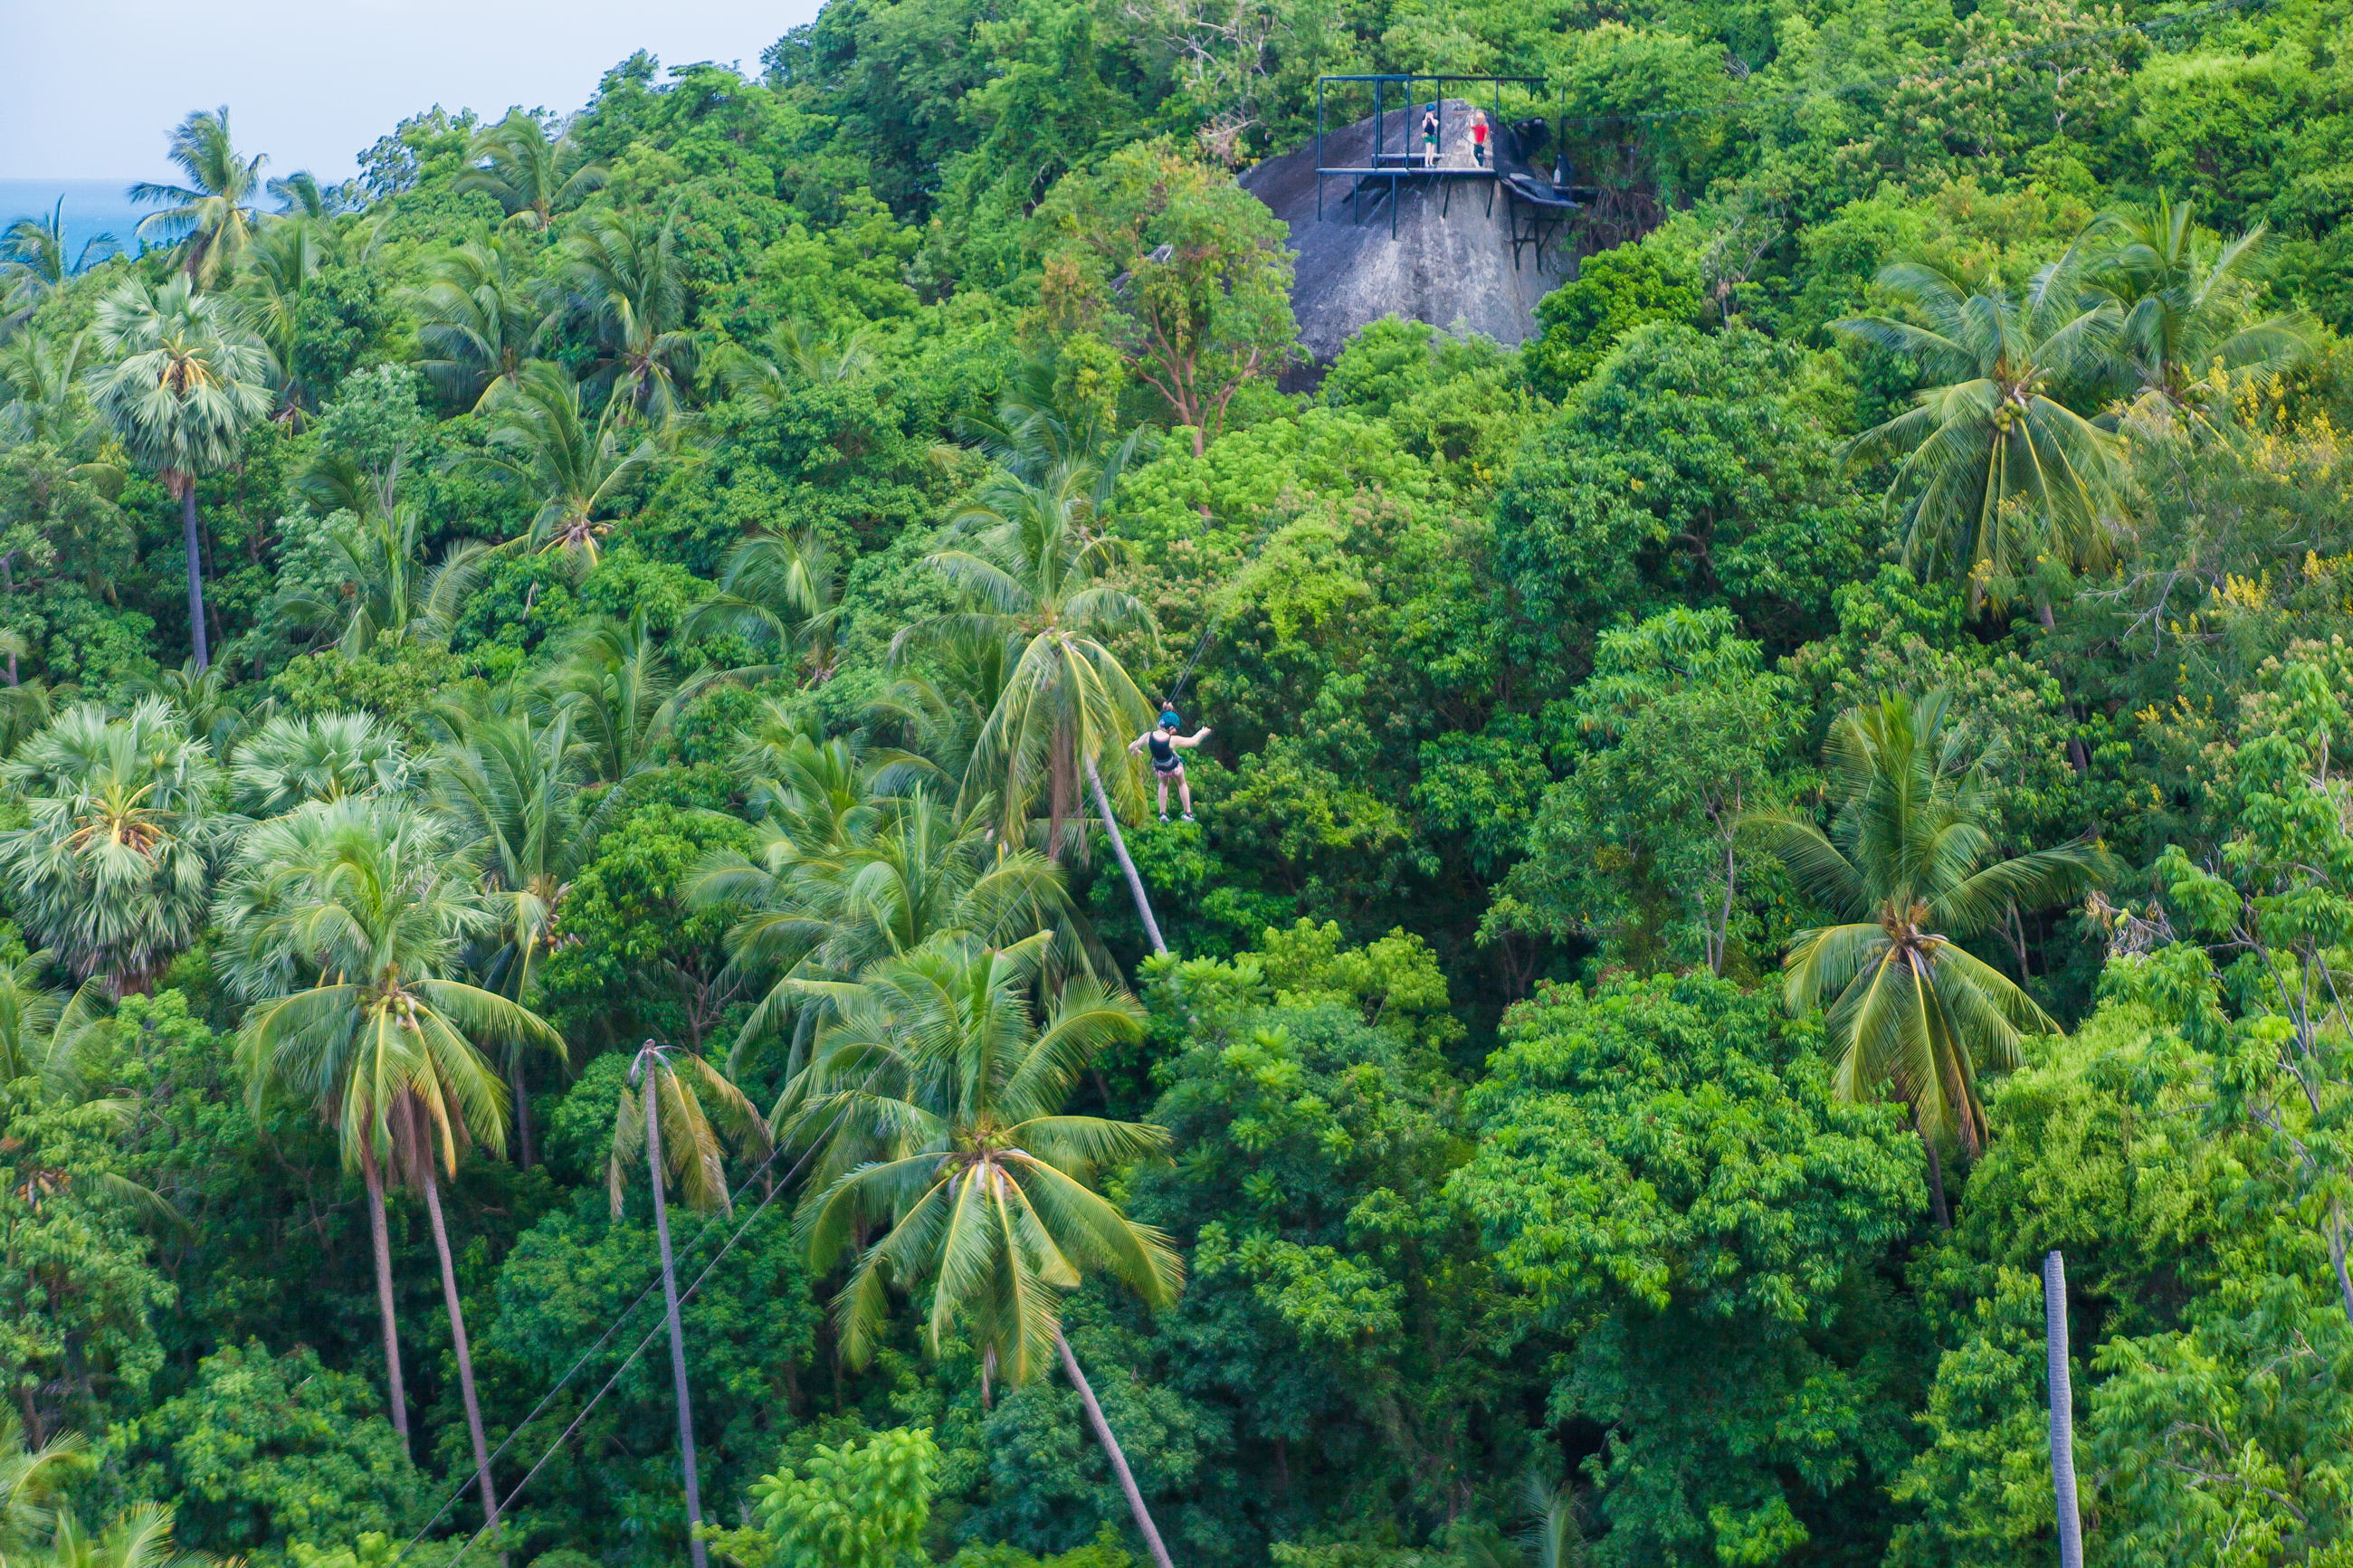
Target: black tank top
[1164,755]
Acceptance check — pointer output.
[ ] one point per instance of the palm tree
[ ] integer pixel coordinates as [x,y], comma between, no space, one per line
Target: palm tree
[841,879]
[943,1101]
[542,441]
[793,350]
[779,590]
[341,928]
[39,1029]
[2188,303]
[626,268]
[1036,429]
[510,783]
[31,1480]
[480,317]
[674,1108]
[112,871]
[43,378]
[299,194]
[202,699]
[1912,1012]
[388,596]
[291,761]
[140,1537]
[1030,576]
[530,174]
[1997,469]
[614,678]
[33,262]
[213,216]
[185,383]
[273,280]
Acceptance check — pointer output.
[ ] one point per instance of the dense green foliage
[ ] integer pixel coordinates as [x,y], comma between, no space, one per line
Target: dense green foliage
[1726,830]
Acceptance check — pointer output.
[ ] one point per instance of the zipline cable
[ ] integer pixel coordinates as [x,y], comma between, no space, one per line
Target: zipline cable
[1217,618]
[684,1296]
[707,1227]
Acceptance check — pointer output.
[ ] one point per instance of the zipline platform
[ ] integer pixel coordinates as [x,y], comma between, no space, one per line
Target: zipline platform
[1398,157]
[1373,228]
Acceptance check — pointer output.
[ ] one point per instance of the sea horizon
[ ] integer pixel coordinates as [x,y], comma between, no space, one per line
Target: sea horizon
[92,208]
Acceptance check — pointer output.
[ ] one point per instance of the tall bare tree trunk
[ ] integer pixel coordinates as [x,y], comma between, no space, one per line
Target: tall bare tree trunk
[1110,1447]
[526,1149]
[1935,1172]
[379,1230]
[465,1355]
[1119,847]
[677,1334]
[2062,1411]
[196,574]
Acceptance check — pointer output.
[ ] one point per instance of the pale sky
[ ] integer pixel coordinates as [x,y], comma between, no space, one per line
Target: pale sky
[94,87]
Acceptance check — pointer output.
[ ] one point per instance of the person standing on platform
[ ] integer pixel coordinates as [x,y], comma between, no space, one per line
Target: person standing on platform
[1429,137]
[1479,137]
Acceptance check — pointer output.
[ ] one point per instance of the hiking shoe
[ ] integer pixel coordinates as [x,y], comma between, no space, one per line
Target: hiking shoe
[1189,817]
[1164,816]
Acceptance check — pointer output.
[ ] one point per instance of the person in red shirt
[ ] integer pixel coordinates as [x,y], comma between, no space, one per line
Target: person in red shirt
[1479,137]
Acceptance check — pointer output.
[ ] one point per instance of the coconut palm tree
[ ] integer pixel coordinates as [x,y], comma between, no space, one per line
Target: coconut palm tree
[839,880]
[295,759]
[2188,303]
[39,1029]
[302,196]
[1027,559]
[615,681]
[779,590]
[33,262]
[274,280]
[389,596]
[202,699]
[185,382]
[542,442]
[211,217]
[1913,1013]
[43,378]
[938,1099]
[341,928]
[793,352]
[32,1478]
[140,1537]
[532,175]
[1995,467]
[510,783]
[481,315]
[113,870]
[678,1112]
[626,269]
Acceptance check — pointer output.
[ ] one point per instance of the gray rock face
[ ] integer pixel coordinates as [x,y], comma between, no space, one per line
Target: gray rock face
[1449,264]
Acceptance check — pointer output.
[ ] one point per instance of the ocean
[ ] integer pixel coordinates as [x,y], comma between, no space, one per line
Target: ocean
[93,207]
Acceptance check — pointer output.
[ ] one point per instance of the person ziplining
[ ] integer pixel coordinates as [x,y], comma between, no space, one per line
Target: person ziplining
[1165,744]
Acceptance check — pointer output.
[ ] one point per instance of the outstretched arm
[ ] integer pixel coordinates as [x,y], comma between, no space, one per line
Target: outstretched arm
[1193,739]
[1137,744]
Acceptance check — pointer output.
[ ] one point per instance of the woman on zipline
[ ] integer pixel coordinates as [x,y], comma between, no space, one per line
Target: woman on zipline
[1166,764]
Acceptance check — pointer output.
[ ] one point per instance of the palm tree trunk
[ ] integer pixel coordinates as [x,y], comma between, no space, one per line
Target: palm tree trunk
[2062,1411]
[1935,1172]
[526,1151]
[677,1335]
[196,575]
[395,1393]
[1111,1446]
[1119,847]
[465,1355]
